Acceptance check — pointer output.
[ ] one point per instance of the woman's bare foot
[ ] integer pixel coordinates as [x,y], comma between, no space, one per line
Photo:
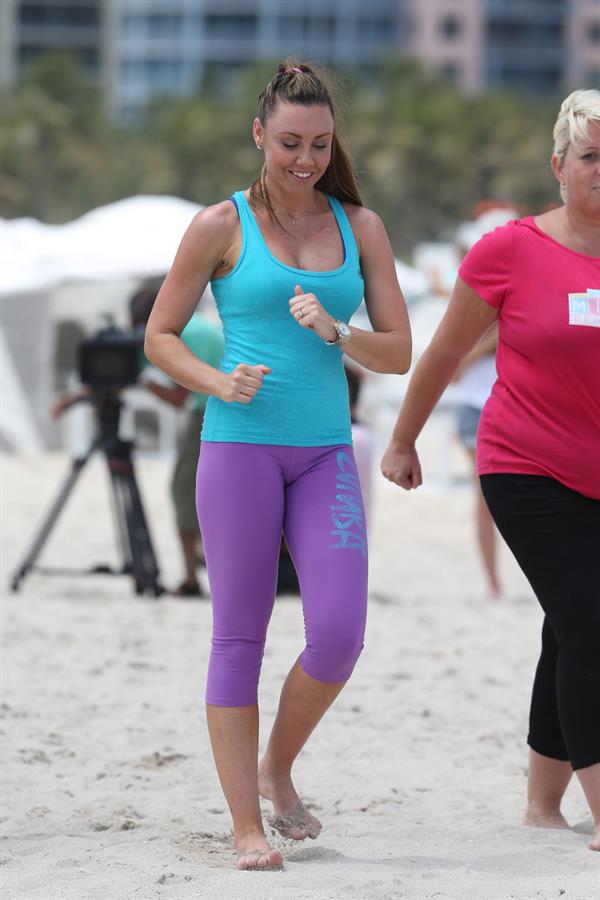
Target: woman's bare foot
[595,845]
[544,818]
[291,819]
[255,853]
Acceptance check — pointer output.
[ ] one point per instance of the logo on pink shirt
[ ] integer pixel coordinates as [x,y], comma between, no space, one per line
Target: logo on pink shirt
[584,309]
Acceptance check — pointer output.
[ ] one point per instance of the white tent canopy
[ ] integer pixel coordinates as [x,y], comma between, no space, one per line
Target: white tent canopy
[136,237]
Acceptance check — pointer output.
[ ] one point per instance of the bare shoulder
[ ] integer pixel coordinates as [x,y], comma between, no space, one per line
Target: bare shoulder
[211,237]
[367,226]
[218,221]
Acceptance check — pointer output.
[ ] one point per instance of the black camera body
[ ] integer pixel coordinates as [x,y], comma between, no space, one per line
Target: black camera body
[112,358]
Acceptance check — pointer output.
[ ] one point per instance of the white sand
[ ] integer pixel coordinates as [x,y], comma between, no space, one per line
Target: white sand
[418,772]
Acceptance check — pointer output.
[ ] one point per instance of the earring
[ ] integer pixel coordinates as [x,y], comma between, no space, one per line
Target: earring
[259,146]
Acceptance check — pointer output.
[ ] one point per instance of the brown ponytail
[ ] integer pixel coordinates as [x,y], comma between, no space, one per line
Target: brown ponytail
[299,83]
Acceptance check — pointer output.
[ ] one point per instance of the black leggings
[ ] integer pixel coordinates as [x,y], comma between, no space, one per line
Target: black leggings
[554,534]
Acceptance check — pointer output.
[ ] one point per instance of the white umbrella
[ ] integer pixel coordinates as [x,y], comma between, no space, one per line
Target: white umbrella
[135,237]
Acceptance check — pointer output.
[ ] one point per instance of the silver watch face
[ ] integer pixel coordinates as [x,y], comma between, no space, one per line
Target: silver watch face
[343,331]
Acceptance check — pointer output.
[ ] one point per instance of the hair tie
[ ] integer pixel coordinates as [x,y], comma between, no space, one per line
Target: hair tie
[293,69]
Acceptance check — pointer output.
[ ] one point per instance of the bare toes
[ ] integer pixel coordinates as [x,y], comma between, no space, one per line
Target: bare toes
[313,829]
[296,827]
[259,860]
[288,827]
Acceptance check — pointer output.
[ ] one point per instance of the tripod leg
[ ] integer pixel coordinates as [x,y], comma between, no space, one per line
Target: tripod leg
[50,520]
[118,508]
[128,499]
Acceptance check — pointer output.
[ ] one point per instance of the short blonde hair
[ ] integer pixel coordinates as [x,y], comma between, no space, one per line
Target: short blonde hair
[575,114]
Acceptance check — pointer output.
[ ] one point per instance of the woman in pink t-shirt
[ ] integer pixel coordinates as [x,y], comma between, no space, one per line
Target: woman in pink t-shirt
[538,444]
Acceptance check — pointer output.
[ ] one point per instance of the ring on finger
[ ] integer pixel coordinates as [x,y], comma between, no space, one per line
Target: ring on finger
[300,313]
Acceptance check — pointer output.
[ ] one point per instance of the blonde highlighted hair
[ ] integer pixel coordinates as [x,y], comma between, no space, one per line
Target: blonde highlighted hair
[575,114]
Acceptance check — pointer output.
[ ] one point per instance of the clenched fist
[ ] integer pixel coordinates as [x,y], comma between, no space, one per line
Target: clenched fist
[308,312]
[400,464]
[242,384]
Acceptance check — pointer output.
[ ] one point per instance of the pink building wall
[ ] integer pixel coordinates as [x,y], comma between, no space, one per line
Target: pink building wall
[458,54]
[584,51]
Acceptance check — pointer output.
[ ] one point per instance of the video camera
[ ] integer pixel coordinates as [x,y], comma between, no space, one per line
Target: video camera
[111,359]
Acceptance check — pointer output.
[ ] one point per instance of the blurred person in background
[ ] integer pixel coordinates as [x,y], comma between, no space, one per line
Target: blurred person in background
[205,340]
[289,261]
[538,449]
[473,379]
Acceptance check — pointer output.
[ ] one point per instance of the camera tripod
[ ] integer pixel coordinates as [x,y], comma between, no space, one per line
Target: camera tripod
[138,559]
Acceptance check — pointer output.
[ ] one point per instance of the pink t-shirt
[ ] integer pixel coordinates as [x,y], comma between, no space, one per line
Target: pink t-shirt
[543,415]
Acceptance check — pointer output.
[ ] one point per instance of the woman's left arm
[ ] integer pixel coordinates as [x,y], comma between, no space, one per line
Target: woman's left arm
[388,347]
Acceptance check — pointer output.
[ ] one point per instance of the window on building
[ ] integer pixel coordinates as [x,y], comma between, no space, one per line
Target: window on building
[223,78]
[321,28]
[293,28]
[377,28]
[64,14]
[519,35]
[133,26]
[164,24]
[451,71]
[154,25]
[86,56]
[165,73]
[450,27]
[593,33]
[157,74]
[592,74]
[519,7]
[222,26]
[532,79]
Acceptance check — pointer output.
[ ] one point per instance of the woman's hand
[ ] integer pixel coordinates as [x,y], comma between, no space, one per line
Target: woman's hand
[242,384]
[308,312]
[400,464]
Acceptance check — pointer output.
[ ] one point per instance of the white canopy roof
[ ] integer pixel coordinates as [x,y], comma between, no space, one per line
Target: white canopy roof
[135,237]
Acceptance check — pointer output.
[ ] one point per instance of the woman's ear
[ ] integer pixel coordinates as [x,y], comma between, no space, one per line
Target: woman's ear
[557,165]
[258,133]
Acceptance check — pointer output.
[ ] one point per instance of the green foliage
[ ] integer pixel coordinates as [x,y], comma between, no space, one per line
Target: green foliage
[59,153]
[426,154]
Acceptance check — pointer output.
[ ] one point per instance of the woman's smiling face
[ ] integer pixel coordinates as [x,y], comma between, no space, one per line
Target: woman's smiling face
[580,172]
[296,140]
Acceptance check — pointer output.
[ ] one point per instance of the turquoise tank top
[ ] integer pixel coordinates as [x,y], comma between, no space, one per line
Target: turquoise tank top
[304,401]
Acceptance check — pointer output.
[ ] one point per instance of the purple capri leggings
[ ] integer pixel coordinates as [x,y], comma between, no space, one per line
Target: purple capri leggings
[246,495]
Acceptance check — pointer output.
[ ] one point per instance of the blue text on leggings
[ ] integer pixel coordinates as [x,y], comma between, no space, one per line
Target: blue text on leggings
[348,517]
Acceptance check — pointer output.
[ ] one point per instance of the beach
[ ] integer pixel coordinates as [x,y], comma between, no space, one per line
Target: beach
[418,772]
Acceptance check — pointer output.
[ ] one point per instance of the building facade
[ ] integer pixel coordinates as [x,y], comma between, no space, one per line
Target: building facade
[31,28]
[166,47]
[525,44]
[532,46]
[141,50]
[447,35]
[583,37]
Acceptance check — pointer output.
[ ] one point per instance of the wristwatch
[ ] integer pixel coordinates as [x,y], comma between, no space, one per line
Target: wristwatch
[343,334]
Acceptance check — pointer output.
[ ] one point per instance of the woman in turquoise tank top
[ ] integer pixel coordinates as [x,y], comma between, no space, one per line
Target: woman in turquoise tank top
[289,261]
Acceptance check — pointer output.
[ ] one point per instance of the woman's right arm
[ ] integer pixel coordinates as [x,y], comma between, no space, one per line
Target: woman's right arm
[467,318]
[208,241]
